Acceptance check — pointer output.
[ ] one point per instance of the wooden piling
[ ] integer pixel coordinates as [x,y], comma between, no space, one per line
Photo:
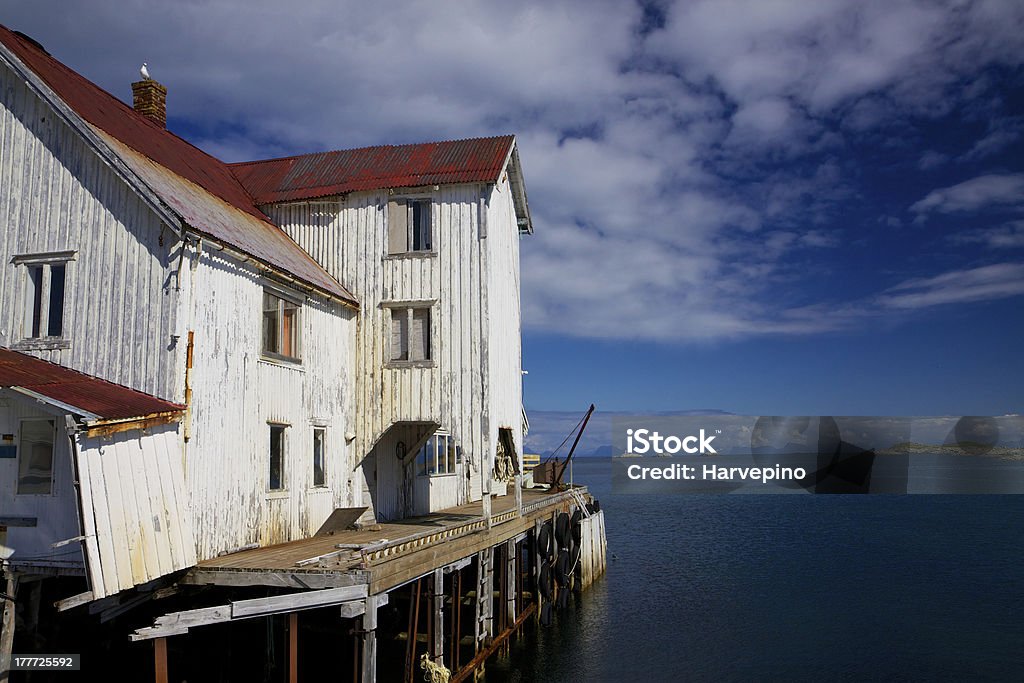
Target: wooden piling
[160,660]
[7,625]
[293,647]
[370,639]
[510,581]
[438,594]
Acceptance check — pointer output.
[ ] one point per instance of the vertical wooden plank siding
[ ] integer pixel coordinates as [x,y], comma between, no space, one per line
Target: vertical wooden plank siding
[505,386]
[136,491]
[58,195]
[237,393]
[473,346]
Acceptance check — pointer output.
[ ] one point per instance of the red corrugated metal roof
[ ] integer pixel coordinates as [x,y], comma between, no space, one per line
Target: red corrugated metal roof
[91,394]
[252,234]
[478,160]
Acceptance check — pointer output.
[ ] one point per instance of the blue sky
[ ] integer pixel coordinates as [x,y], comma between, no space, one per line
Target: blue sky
[761,207]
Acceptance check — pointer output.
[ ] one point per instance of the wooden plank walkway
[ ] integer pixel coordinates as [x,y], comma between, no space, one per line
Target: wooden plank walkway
[385,557]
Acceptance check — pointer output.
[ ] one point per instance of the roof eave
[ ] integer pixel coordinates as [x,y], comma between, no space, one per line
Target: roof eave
[515,175]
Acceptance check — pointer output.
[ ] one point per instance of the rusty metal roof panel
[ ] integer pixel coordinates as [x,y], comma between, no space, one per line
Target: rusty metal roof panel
[372,168]
[222,221]
[91,394]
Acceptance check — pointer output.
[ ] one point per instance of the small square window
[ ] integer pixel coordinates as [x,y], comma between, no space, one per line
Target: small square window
[409,226]
[277,446]
[35,457]
[281,327]
[410,334]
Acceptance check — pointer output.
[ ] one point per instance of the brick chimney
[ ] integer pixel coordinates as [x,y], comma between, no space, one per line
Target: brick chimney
[150,100]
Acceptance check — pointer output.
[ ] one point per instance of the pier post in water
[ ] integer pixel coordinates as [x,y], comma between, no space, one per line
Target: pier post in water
[370,639]
[437,646]
[7,626]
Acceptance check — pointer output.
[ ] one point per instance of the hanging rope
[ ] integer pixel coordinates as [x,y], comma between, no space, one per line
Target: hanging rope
[433,672]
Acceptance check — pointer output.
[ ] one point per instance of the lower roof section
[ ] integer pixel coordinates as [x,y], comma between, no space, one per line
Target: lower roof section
[85,395]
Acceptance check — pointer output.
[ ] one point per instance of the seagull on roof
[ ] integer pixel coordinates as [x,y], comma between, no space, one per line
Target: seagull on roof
[145,72]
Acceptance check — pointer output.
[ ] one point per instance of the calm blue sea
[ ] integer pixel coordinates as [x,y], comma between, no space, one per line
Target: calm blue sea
[807,588]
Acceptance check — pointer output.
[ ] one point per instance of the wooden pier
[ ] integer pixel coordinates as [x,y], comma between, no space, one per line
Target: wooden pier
[439,569]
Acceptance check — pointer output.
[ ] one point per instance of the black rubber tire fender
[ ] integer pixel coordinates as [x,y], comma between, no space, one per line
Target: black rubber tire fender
[545,542]
[562,568]
[546,587]
[562,530]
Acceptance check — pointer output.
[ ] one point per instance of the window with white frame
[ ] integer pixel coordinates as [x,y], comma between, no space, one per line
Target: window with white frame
[439,455]
[409,226]
[409,335]
[281,325]
[35,457]
[45,278]
[277,453]
[319,447]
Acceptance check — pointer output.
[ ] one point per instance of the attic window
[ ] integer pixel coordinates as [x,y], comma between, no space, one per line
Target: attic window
[409,226]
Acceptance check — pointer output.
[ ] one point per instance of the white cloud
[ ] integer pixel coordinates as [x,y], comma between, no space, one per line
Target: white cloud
[652,160]
[1001,133]
[982,192]
[931,159]
[1007,236]
[996,281]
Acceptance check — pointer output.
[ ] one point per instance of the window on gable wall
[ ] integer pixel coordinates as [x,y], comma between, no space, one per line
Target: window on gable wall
[409,226]
[439,455]
[281,326]
[45,285]
[410,334]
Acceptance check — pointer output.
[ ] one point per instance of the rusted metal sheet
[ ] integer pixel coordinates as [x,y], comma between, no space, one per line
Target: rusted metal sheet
[206,213]
[478,160]
[78,390]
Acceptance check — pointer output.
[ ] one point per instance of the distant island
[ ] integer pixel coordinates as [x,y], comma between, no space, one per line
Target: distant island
[963,448]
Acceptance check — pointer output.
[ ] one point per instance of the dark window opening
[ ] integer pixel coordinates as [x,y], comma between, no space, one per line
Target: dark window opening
[319,437]
[276,457]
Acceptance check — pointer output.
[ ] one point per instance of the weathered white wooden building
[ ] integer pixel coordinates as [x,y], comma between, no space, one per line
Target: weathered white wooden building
[284,337]
[427,238]
[134,258]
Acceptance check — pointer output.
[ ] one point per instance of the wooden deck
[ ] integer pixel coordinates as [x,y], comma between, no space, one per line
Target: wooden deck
[386,557]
